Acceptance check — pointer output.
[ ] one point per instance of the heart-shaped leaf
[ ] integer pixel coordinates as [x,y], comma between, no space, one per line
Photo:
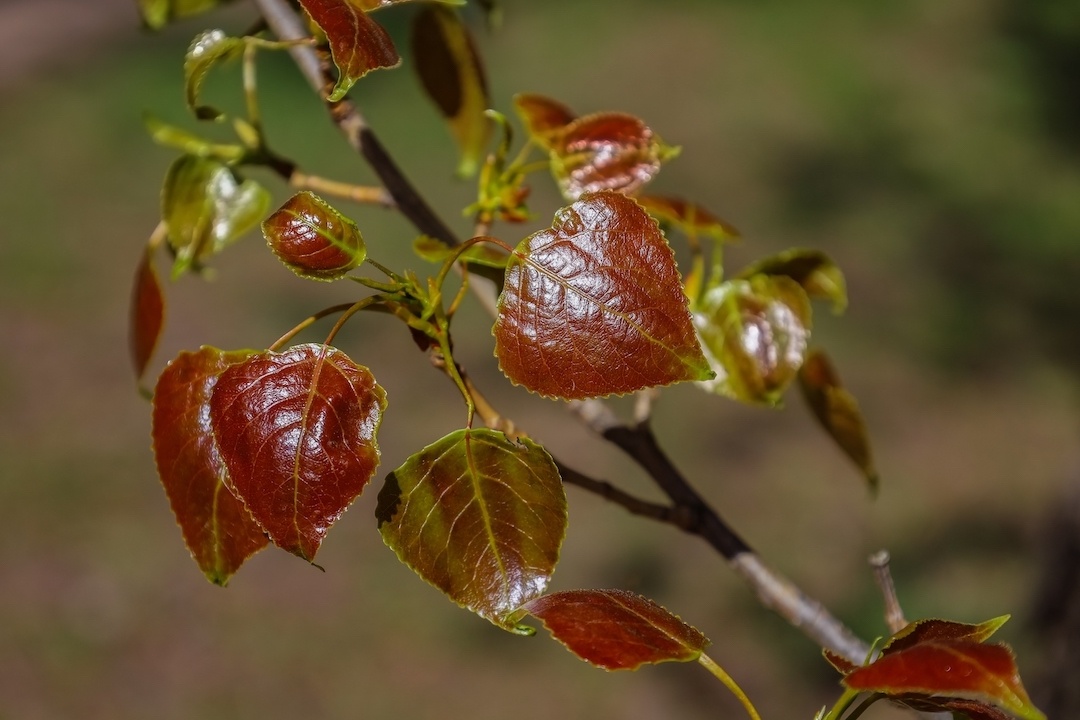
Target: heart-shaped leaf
[147,314]
[206,207]
[157,13]
[933,629]
[452,73]
[937,672]
[616,629]
[313,239]
[218,530]
[755,333]
[544,118]
[594,306]
[479,517]
[358,44]
[207,49]
[688,217]
[812,269]
[606,151]
[297,431]
[837,411]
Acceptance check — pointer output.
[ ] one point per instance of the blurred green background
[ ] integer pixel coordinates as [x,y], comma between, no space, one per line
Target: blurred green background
[932,148]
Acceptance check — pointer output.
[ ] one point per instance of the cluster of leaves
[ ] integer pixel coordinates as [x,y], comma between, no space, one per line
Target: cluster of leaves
[267,446]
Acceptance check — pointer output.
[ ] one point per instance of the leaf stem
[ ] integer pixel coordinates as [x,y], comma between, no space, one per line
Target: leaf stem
[284,339]
[458,250]
[730,684]
[251,95]
[864,705]
[842,704]
[352,310]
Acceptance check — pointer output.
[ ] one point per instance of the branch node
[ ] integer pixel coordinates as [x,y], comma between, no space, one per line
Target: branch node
[894,614]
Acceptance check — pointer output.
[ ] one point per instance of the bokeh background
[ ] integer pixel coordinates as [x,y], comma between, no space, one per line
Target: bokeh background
[932,148]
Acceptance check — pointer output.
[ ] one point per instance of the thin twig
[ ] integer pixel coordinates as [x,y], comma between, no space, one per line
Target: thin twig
[357,193]
[894,614]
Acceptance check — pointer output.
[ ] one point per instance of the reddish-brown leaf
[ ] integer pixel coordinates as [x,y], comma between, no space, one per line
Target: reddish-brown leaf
[544,118]
[297,431]
[688,216]
[606,151]
[838,412]
[147,314]
[453,75]
[313,239]
[218,530]
[841,663]
[593,306]
[358,44]
[369,5]
[480,517]
[949,669]
[933,629]
[616,629]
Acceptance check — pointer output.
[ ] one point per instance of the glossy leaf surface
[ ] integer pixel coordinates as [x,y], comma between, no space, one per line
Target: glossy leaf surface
[313,239]
[434,250]
[594,306]
[218,530]
[755,333]
[813,270]
[934,629]
[189,143]
[157,13]
[606,151]
[688,216]
[358,44]
[479,517]
[206,207]
[544,118]
[207,49]
[616,629]
[297,431]
[147,314]
[949,669]
[453,75]
[837,411]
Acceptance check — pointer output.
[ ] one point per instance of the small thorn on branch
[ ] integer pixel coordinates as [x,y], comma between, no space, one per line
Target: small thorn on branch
[894,614]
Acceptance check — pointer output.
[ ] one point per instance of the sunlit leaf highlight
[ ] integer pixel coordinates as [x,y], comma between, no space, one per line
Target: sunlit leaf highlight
[297,431]
[480,517]
[594,306]
[217,528]
[452,73]
[207,50]
[616,629]
[358,44]
[313,239]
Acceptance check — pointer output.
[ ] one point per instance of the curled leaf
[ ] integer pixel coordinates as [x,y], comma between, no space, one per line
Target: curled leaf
[205,207]
[689,217]
[435,250]
[544,118]
[207,49]
[934,673]
[839,662]
[616,629]
[147,314]
[755,333]
[932,629]
[453,75]
[297,431]
[313,239]
[358,44]
[189,143]
[594,306]
[218,530]
[837,411]
[479,517]
[370,5]
[812,269]
[606,151]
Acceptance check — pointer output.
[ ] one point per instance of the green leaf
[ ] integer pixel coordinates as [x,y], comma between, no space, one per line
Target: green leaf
[479,517]
[838,412]
[191,144]
[755,333]
[358,44]
[616,629]
[217,528]
[436,251]
[453,75]
[147,315]
[207,49]
[297,431]
[594,306]
[206,207]
[818,275]
[157,13]
[313,239]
